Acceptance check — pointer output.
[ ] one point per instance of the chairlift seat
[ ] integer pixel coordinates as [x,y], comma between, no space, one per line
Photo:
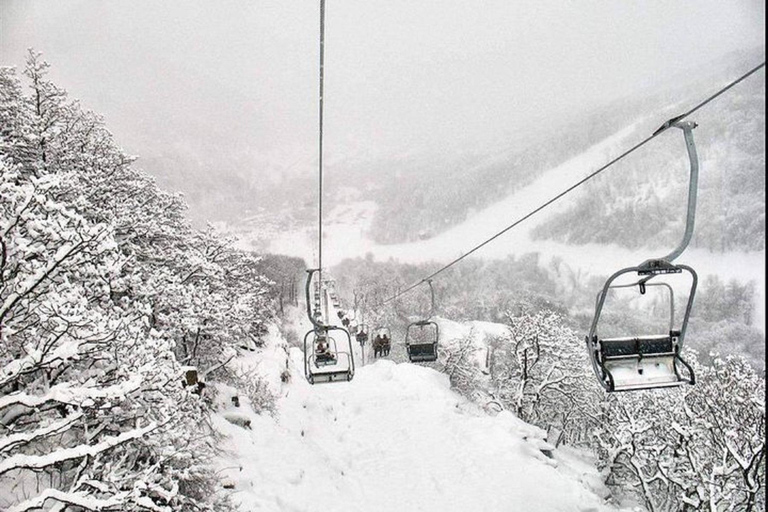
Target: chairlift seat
[645,362]
[333,376]
[424,347]
[658,371]
[422,352]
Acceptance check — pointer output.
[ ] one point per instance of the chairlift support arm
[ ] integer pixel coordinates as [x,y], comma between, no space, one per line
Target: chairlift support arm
[693,183]
[315,324]
[431,299]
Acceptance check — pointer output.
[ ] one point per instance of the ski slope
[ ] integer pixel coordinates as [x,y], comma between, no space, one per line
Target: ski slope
[396,438]
[344,233]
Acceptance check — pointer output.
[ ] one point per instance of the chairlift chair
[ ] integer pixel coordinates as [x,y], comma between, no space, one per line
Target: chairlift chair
[645,361]
[327,358]
[421,336]
[421,339]
[649,361]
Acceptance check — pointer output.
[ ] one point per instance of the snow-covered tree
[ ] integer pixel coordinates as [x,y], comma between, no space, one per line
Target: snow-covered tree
[697,448]
[540,371]
[105,291]
[460,364]
[86,388]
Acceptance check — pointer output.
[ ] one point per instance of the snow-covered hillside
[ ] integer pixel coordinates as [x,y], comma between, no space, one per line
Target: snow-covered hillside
[344,234]
[395,438]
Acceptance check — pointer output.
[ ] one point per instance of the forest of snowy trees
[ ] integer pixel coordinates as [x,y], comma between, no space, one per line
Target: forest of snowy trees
[636,206]
[113,311]
[642,202]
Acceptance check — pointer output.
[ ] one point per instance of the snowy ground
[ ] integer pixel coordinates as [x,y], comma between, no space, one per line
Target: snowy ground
[396,438]
[347,224]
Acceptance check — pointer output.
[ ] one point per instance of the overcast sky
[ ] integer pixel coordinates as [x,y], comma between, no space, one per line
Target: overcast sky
[401,74]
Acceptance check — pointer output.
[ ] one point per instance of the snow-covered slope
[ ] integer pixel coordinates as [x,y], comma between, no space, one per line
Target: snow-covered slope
[396,438]
[344,235]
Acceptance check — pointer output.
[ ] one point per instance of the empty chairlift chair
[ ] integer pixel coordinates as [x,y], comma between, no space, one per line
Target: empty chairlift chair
[647,361]
[422,336]
[421,340]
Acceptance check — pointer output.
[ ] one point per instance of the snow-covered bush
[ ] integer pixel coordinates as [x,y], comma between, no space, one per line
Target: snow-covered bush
[697,448]
[256,388]
[460,364]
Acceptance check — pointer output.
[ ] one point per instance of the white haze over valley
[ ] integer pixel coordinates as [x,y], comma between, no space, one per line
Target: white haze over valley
[347,225]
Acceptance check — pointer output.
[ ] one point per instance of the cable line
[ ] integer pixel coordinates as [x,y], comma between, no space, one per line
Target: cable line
[626,153]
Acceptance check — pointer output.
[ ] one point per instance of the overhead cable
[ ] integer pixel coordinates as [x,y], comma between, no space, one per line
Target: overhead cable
[579,183]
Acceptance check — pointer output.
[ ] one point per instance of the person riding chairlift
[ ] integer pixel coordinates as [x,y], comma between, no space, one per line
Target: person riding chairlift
[322,351]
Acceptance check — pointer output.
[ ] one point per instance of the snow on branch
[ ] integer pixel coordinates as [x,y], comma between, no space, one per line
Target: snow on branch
[77,499]
[36,359]
[40,276]
[15,440]
[64,393]
[18,404]
[37,462]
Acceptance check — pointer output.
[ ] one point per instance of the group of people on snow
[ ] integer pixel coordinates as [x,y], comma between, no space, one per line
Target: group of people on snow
[381,344]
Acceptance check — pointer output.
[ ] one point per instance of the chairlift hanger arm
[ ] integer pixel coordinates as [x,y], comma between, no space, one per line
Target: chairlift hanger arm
[310,273]
[693,182]
[432,299]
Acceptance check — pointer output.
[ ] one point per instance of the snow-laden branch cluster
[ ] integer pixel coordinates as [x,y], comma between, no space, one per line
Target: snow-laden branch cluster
[702,446]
